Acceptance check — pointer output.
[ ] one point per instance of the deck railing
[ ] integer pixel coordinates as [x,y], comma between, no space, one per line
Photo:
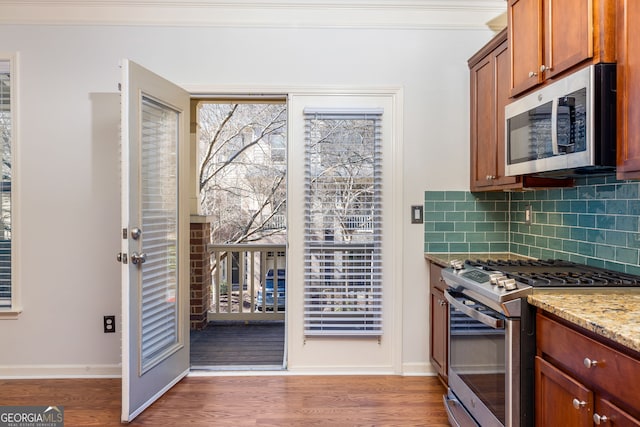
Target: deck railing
[240,275]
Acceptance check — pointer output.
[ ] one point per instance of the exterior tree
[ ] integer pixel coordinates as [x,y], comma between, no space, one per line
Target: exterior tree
[243,171]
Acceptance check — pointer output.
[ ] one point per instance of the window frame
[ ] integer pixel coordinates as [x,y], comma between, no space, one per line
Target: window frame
[15,308]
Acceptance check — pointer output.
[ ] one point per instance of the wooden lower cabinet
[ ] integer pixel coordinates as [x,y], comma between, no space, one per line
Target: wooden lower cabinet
[610,415]
[555,395]
[439,323]
[572,390]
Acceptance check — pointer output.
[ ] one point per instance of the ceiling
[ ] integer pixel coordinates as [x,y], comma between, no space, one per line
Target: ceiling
[402,14]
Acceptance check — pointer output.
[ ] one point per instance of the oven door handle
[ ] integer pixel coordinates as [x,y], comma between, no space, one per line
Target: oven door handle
[474,314]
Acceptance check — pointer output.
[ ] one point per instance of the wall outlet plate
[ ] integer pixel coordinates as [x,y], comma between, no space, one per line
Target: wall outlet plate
[109,323]
[527,214]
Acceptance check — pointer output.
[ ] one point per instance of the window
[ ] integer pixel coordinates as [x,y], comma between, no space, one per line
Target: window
[7,120]
[343,217]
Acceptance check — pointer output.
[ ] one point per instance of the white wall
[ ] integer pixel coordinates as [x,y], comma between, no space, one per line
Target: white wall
[68,167]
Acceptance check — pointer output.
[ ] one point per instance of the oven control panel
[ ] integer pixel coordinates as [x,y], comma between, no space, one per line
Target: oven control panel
[476,275]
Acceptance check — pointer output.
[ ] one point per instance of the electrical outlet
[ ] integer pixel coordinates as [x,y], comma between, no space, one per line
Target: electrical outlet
[109,324]
[527,215]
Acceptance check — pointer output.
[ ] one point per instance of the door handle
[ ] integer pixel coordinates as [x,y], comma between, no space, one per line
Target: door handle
[138,258]
[474,314]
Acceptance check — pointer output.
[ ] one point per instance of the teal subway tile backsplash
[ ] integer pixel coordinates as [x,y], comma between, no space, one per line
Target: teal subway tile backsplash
[472,222]
[596,222]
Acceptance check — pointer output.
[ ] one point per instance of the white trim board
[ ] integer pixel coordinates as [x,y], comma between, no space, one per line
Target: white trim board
[59,371]
[389,14]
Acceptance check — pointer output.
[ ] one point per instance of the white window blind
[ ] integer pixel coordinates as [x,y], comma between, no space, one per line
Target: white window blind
[159,192]
[343,222]
[5,184]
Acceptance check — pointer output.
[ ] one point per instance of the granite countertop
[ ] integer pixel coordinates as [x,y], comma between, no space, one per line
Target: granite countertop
[613,314]
[444,258]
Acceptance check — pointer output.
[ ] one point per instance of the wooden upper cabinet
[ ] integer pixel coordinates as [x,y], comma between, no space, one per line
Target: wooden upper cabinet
[525,37]
[568,35]
[628,89]
[489,95]
[549,37]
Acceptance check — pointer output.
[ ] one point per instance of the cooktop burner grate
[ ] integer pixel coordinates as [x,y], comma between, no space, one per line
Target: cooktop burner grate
[557,273]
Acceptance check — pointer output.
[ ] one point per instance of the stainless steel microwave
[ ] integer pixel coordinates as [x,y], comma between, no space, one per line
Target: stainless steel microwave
[566,128]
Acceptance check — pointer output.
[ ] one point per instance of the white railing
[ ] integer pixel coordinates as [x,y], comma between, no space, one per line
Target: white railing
[244,281]
[277,222]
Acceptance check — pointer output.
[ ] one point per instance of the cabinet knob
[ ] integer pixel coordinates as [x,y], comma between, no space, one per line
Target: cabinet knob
[578,404]
[490,177]
[588,363]
[544,68]
[532,74]
[600,419]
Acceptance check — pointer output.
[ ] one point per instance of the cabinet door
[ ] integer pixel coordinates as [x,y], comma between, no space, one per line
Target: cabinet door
[483,123]
[438,336]
[502,60]
[525,36]
[560,399]
[608,414]
[628,89]
[568,35]
[489,95]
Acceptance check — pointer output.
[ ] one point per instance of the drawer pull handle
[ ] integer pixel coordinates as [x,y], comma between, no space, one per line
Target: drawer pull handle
[598,419]
[578,404]
[588,363]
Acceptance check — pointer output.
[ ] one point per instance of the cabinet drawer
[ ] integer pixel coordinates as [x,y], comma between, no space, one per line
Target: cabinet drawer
[614,372]
[435,278]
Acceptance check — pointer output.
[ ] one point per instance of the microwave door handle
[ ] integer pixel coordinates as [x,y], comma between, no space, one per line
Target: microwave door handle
[554,127]
[475,314]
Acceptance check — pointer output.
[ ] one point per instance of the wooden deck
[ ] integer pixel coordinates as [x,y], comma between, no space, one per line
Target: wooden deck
[239,346]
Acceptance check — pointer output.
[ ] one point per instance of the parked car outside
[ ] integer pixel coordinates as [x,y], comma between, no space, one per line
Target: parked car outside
[267,290]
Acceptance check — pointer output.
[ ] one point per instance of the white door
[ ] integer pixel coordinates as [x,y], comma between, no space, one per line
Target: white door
[155,251]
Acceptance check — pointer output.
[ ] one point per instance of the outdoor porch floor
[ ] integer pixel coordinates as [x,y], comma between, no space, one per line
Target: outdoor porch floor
[239,345]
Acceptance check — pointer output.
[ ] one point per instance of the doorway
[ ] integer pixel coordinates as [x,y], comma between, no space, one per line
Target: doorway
[241,182]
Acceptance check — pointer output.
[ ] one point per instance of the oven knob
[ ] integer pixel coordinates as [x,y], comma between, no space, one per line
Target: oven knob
[456,264]
[510,284]
[494,277]
[500,281]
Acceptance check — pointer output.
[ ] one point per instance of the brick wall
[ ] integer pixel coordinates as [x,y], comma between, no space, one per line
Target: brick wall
[200,291]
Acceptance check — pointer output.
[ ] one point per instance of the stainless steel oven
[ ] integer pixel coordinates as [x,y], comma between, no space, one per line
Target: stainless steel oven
[484,362]
[491,350]
[492,334]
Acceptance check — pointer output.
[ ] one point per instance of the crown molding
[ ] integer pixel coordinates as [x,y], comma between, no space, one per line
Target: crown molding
[390,14]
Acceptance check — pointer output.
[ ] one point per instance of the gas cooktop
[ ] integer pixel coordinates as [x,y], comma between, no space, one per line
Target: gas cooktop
[502,281]
[556,273]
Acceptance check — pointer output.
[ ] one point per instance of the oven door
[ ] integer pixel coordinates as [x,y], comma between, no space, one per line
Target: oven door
[482,361]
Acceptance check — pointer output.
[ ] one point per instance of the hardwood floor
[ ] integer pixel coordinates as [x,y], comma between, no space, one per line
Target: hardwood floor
[283,400]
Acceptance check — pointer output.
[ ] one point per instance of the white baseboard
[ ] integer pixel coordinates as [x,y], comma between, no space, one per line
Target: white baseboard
[59,371]
[418,369]
[115,371]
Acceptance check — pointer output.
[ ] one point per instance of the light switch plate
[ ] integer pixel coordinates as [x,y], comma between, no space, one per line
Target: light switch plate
[416,214]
